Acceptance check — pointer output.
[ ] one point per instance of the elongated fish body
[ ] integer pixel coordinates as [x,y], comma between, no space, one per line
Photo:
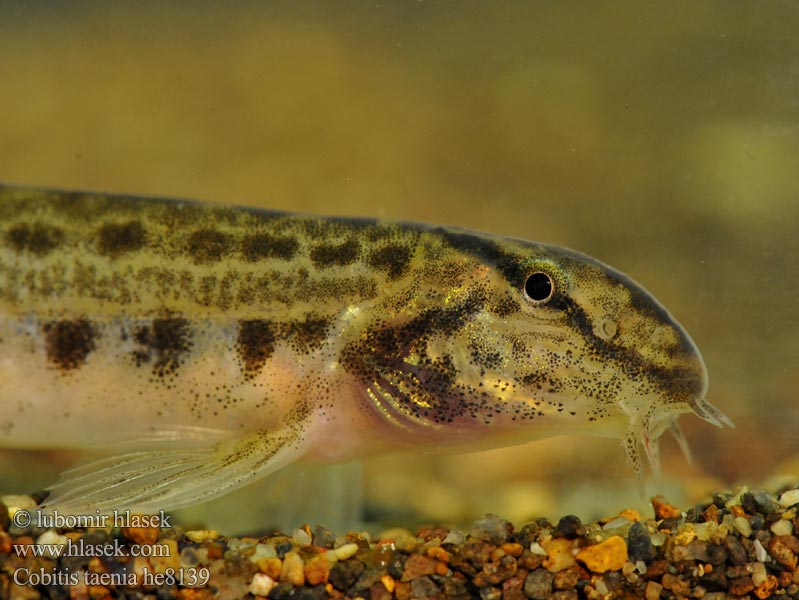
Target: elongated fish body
[206,346]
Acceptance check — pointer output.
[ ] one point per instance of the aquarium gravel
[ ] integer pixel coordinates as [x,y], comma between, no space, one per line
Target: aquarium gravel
[740,544]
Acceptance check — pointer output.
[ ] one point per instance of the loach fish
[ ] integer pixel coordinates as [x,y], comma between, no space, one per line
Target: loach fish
[205,346]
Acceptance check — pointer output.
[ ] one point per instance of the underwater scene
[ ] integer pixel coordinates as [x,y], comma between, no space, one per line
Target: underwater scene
[662,140]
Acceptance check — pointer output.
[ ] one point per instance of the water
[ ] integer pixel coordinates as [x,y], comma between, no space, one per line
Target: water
[662,139]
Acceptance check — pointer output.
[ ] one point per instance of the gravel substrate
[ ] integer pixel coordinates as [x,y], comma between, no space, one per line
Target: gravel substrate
[740,545]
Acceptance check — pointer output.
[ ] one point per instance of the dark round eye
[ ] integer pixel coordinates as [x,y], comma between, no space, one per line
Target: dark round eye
[539,287]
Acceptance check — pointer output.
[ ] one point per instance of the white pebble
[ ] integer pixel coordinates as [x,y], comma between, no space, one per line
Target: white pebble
[760,552]
[302,537]
[263,551]
[261,585]
[658,539]
[641,566]
[345,551]
[536,548]
[789,498]
[782,527]
[51,537]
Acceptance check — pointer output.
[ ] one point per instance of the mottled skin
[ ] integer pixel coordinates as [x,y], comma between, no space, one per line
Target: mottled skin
[210,345]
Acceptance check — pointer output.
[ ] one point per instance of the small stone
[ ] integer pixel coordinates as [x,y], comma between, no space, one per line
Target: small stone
[565,595]
[740,586]
[789,498]
[742,525]
[784,550]
[346,551]
[782,527]
[344,574]
[492,529]
[758,501]
[317,570]
[567,579]
[760,551]
[271,566]
[559,555]
[496,573]
[402,539]
[379,592]
[302,536]
[639,544]
[424,588]
[323,537]
[653,589]
[676,584]
[418,566]
[202,535]
[454,537]
[292,571]
[609,555]
[765,589]
[570,526]
[490,593]
[261,585]
[664,510]
[758,570]
[736,550]
[538,584]
[389,583]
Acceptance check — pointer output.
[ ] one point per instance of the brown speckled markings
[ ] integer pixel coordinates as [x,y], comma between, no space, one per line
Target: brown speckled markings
[260,337]
[68,343]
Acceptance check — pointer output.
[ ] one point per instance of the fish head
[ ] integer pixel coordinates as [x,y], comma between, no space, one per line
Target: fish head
[497,341]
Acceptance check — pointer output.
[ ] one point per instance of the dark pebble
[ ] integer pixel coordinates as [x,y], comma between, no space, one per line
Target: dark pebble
[345,573]
[639,544]
[490,593]
[526,535]
[538,585]
[495,573]
[492,529]
[567,579]
[764,501]
[569,526]
[672,523]
[735,550]
[323,537]
[451,586]
[757,522]
[283,548]
[715,581]
[286,591]
[476,553]
[368,578]
[396,565]
[424,587]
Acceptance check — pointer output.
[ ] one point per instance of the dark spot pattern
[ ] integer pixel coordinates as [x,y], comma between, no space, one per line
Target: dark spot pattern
[208,245]
[255,344]
[37,239]
[393,259]
[114,239]
[163,344]
[328,255]
[485,250]
[306,335]
[395,358]
[262,246]
[68,343]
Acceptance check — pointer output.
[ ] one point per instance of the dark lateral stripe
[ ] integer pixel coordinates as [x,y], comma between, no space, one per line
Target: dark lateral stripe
[485,250]
[68,343]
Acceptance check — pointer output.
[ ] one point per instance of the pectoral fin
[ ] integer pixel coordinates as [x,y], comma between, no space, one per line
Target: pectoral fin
[165,478]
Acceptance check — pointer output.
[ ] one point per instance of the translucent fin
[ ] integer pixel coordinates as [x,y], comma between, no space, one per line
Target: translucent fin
[165,479]
[679,437]
[711,414]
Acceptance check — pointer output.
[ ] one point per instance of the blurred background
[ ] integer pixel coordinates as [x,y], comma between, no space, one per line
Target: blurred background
[661,138]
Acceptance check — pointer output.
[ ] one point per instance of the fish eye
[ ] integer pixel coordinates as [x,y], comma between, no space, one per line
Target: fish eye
[539,287]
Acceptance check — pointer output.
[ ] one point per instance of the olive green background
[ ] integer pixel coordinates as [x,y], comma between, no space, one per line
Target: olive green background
[662,138]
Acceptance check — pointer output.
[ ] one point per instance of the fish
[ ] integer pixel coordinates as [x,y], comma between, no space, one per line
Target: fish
[201,347]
